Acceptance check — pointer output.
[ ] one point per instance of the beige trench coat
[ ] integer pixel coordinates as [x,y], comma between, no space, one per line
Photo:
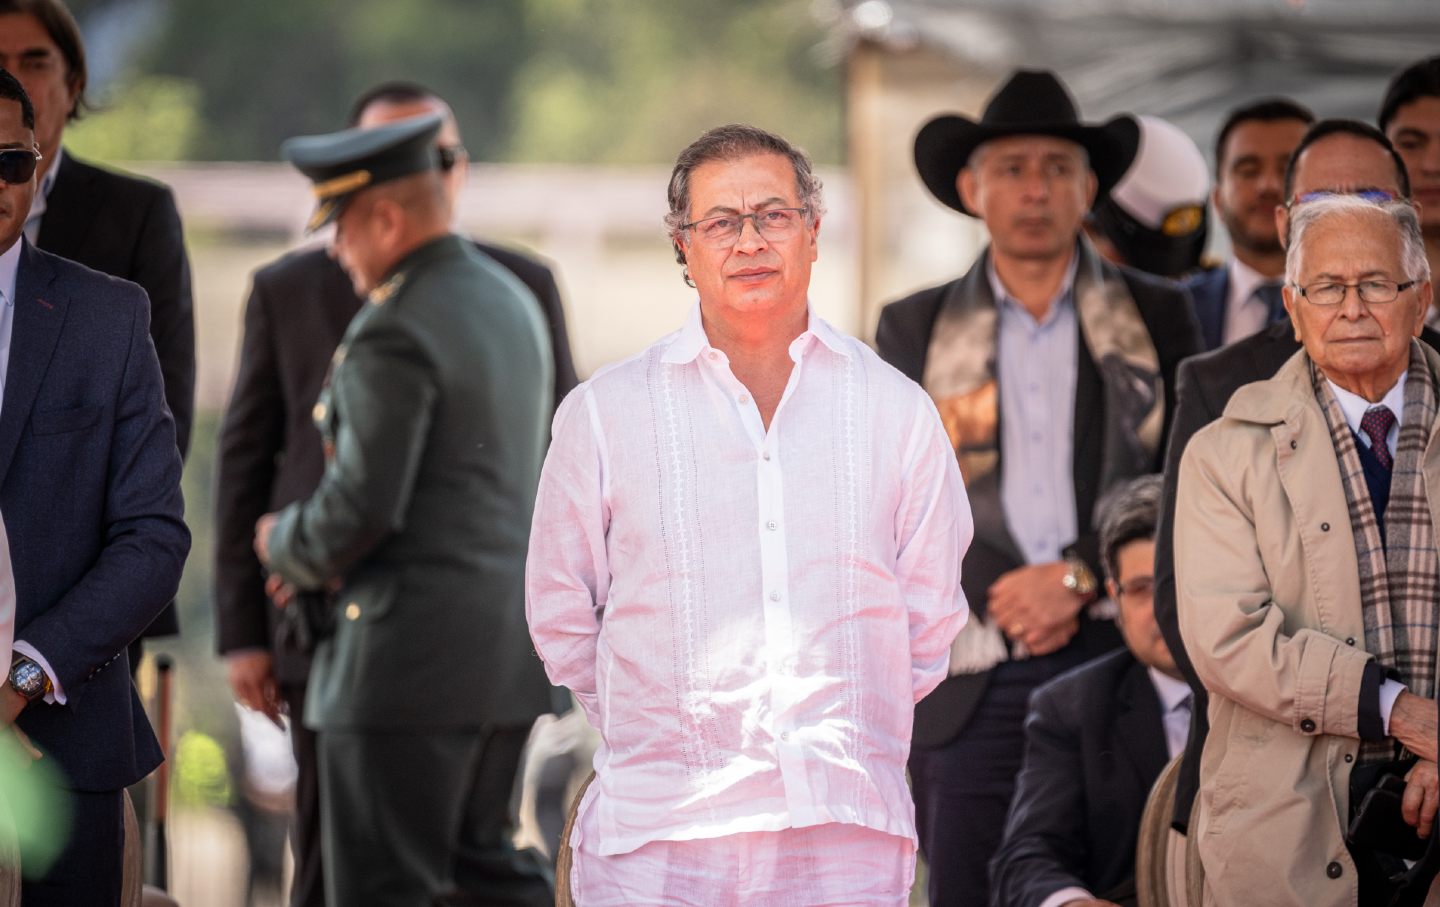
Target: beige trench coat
[1269,607]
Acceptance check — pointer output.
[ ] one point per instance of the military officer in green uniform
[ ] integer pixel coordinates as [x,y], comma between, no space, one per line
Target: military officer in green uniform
[434,422]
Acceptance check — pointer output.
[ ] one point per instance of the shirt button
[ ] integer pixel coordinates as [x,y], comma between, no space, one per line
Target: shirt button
[1307,726]
[744,398]
[352,611]
[785,735]
[774,596]
[771,525]
[765,455]
[1334,870]
[714,355]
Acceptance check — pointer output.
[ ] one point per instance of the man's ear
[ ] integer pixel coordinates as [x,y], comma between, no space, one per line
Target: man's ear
[969,189]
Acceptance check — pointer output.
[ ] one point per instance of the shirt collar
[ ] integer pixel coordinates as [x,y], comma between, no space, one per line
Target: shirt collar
[1354,406]
[9,271]
[691,341]
[1172,692]
[1244,281]
[1063,294]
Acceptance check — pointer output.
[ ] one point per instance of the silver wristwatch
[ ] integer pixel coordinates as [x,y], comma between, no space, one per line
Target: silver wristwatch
[28,679]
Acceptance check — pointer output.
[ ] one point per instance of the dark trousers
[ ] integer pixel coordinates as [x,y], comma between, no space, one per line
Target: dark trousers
[307,889]
[963,789]
[419,818]
[88,872]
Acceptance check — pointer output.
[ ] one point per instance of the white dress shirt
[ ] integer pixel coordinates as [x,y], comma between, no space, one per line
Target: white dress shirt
[747,616]
[1037,364]
[1245,313]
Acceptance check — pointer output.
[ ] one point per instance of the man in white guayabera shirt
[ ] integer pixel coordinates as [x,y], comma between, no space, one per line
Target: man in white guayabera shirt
[745,562]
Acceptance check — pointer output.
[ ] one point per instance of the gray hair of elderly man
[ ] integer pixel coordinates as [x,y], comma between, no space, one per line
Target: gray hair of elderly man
[1128,512]
[1401,213]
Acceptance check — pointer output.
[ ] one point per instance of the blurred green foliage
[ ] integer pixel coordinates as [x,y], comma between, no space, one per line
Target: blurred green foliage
[578,81]
[201,776]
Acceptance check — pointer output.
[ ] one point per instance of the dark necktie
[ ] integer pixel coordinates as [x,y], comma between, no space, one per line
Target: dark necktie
[1376,425]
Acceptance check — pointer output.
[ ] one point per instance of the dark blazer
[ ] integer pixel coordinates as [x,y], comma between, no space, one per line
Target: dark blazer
[1094,745]
[90,495]
[903,339]
[269,452]
[437,411]
[1209,291]
[1204,387]
[129,228]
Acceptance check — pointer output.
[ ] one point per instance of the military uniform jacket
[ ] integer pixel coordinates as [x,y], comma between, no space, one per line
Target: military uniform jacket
[434,423]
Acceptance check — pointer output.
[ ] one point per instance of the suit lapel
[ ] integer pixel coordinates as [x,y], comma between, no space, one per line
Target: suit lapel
[64,225]
[39,316]
[1139,725]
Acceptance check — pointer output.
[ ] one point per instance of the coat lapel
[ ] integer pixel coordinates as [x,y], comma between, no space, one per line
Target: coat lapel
[39,316]
[1140,726]
[64,225]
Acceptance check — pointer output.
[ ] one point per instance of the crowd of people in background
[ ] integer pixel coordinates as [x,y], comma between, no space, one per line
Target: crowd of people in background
[1096,531]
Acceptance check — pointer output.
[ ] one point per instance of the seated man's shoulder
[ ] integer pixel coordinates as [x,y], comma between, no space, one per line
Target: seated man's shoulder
[1098,677]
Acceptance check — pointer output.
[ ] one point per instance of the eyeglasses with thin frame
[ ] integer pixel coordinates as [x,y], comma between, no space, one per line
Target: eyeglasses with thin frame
[17,165]
[1371,292]
[725,229]
[1371,194]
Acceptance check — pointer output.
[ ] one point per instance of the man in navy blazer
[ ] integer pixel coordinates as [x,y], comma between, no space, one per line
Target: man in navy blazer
[90,492]
[1252,151]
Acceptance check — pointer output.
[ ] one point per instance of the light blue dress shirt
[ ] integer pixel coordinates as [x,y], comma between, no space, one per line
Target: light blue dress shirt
[1037,362]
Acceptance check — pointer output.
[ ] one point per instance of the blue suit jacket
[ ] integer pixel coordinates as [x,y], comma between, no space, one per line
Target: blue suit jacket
[1209,290]
[90,495]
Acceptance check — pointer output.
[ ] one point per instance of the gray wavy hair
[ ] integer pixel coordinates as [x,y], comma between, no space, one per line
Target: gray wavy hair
[1128,512]
[1402,213]
[728,143]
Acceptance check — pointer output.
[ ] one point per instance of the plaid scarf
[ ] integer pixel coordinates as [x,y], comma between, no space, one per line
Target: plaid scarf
[1400,580]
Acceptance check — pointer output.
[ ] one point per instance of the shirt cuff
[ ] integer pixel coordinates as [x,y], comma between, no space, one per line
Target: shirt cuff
[57,695]
[1390,691]
[1066,895]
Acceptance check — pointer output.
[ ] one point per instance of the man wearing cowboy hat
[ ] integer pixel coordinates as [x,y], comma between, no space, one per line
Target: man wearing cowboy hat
[1062,364]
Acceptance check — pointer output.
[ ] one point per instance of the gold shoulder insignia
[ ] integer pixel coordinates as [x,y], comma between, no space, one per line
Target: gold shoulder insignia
[387,290]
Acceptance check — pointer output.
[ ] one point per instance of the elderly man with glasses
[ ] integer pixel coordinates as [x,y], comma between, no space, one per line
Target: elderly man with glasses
[1307,571]
[746,564]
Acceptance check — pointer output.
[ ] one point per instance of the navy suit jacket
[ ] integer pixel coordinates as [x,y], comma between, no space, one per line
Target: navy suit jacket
[1209,290]
[1094,745]
[129,228]
[90,495]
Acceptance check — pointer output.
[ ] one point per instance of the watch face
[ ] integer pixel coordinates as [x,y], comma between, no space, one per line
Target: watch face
[27,678]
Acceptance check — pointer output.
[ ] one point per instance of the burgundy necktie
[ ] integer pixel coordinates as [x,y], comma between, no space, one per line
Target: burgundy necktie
[1376,425]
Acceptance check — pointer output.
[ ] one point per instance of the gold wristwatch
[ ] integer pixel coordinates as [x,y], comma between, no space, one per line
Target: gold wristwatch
[1078,578]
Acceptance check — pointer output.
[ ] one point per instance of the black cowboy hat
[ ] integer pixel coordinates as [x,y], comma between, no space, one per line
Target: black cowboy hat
[1030,103]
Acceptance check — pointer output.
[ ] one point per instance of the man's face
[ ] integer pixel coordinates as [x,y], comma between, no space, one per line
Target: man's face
[1251,181]
[1356,345]
[381,112]
[1032,192]
[15,198]
[757,274]
[1134,591]
[357,244]
[27,51]
[1340,163]
[1415,132]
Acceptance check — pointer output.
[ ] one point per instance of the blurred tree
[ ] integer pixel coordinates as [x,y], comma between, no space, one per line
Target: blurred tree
[635,82]
[153,118]
[269,69]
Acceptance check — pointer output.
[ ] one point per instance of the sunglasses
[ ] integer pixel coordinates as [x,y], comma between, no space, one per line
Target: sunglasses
[17,165]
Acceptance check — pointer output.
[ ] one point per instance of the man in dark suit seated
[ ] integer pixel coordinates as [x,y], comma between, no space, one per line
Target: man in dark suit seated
[1252,151]
[269,452]
[119,225]
[1335,156]
[1096,738]
[90,492]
